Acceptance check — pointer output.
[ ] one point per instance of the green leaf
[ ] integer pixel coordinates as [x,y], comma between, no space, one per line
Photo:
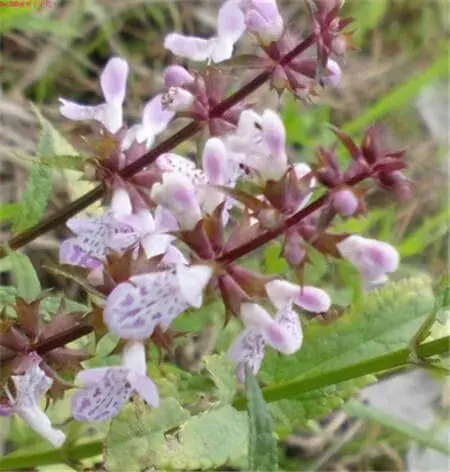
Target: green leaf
[262,445]
[208,440]
[426,438]
[136,436]
[140,438]
[26,279]
[38,188]
[9,212]
[72,162]
[384,321]
[34,198]
[223,373]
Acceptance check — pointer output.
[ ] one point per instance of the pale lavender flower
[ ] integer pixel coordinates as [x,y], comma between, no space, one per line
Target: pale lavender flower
[117,229]
[259,143]
[230,27]
[374,259]
[282,293]
[263,19]
[177,99]
[113,82]
[134,308]
[283,333]
[30,387]
[178,194]
[155,119]
[107,389]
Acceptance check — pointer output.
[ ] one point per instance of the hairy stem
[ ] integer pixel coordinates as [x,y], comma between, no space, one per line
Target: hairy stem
[185,133]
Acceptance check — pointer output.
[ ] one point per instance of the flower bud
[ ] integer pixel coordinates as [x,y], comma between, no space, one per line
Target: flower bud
[177,194]
[371,257]
[264,19]
[177,76]
[333,73]
[345,202]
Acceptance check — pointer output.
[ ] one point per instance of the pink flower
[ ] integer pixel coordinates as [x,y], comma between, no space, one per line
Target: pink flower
[230,27]
[263,18]
[30,387]
[113,83]
[374,259]
[283,333]
[106,389]
[333,73]
[134,308]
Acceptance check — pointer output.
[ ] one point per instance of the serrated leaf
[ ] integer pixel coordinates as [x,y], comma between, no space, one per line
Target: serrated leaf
[383,322]
[262,445]
[206,441]
[136,436]
[223,373]
[26,280]
[35,197]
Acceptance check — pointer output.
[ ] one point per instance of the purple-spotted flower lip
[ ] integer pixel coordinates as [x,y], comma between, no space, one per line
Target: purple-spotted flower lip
[105,390]
[135,308]
[113,80]
[230,27]
[117,229]
[30,388]
[283,333]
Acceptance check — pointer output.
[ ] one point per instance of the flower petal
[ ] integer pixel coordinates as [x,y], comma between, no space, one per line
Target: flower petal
[104,399]
[121,203]
[133,357]
[145,387]
[177,76]
[155,118]
[289,320]
[214,160]
[190,47]
[230,22]
[155,244]
[113,80]
[192,281]
[109,114]
[247,349]
[134,308]
[165,220]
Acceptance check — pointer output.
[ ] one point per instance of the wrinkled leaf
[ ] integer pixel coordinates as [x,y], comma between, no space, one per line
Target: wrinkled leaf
[136,436]
[223,373]
[262,445]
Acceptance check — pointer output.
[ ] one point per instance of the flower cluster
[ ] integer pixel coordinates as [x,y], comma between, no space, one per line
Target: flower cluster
[170,234]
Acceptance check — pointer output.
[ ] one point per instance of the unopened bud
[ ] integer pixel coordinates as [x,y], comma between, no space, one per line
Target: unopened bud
[345,202]
[333,73]
[177,76]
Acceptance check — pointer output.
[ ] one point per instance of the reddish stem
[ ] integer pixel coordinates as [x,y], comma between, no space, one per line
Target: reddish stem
[292,220]
[185,133]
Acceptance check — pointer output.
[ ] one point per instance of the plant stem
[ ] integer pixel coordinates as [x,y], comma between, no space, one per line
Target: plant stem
[185,133]
[292,220]
[45,456]
[393,360]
